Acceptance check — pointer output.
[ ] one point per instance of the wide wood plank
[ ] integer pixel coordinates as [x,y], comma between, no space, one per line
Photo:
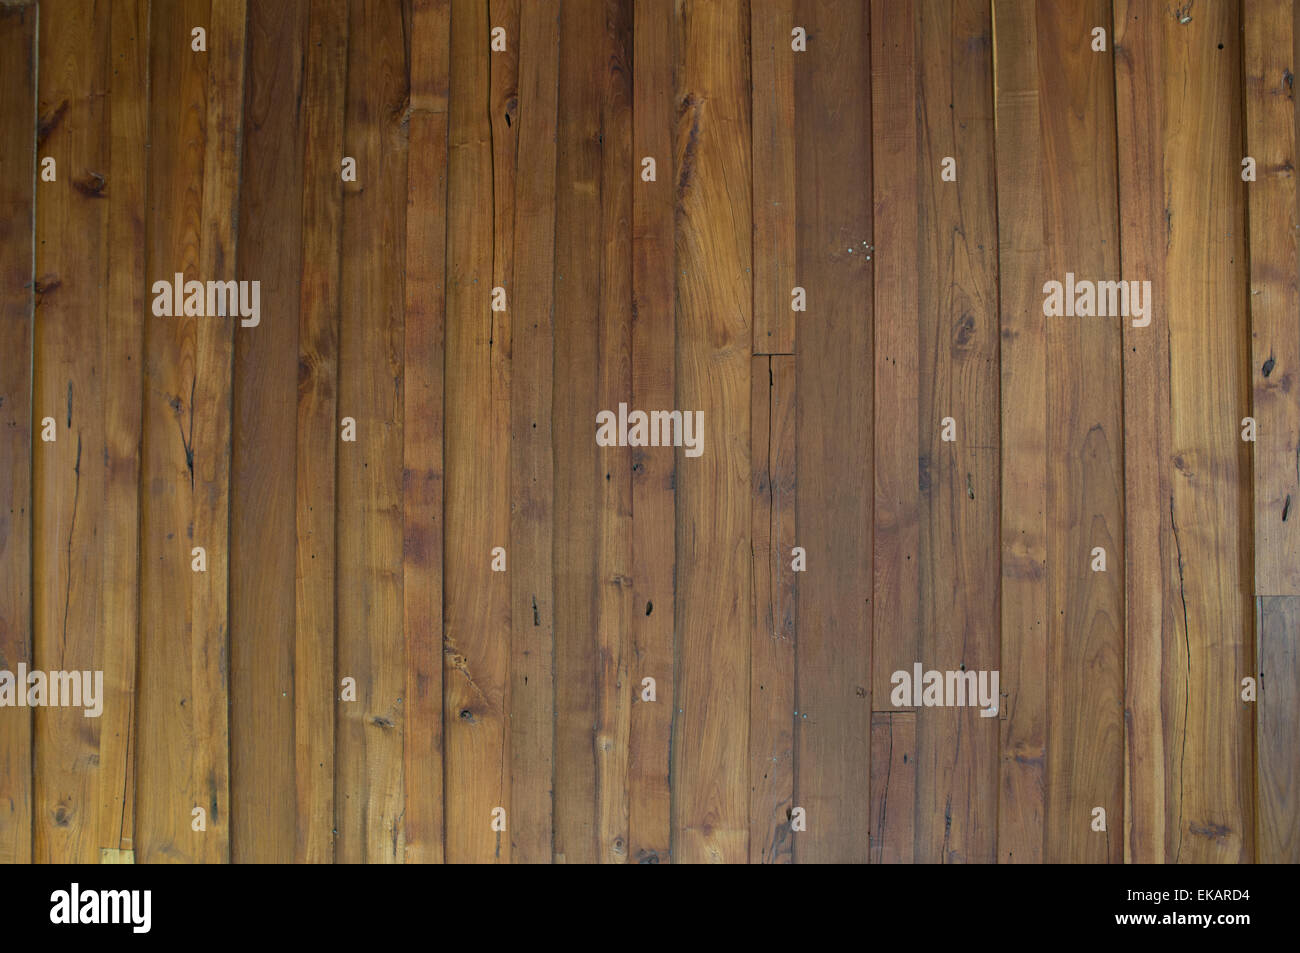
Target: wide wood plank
[654,337]
[1022,263]
[1270,126]
[1211,761]
[369,753]
[1085,443]
[893,787]
[263,537]
[834,430]
[714,338]
[18,120]
[956,748]
[182,743]
[896,610]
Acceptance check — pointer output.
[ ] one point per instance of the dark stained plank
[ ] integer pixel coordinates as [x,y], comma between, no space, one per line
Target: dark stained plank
[18,121]
[263,537]
[315,683]
[896,609]
[956,748]
[577,303]
[654,336]
[369,799]
[613,607]
[714,338]
[1022,262]
[422,548]
[476,609]
[771,668]
[834,430]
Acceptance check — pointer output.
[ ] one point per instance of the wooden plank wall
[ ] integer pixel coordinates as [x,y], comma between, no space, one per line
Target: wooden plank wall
[365,587]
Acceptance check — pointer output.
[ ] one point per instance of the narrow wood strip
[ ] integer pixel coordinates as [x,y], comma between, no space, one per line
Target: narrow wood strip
[368,786]
[893,786]
[896,609]
[422,473]
[1022,262]
[1277,735]
[316,685]
[1154,647]
[771,669]
[476,611]
[1270,127]
[654,338]
[772,91]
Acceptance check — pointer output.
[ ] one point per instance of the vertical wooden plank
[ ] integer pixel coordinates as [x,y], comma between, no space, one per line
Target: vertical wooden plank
[532,687]
[1211,788]
[771,670]
[263,452]
[182,751]
[1270,126]
[654,336]
[956,748]
[772,88]
[1154,648]
[893,787]
[1277,737]
[714,342]
[123,364]
[476,610]
[614,385]
[315,683]
[896,612]
[18,122]
[834,428]
[368,779]
[577,300]
[67,517]
[426,254]
[1022,263]
[1085,475]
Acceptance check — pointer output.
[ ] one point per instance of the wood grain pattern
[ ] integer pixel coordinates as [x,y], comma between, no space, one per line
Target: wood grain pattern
[833,450]
[18,112]
[263,469]
[956,748]
[368,785]
[346,676]
[896,609]
[1269,119]
[1022,263]
[316,685]
[714,328]
[654,537]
